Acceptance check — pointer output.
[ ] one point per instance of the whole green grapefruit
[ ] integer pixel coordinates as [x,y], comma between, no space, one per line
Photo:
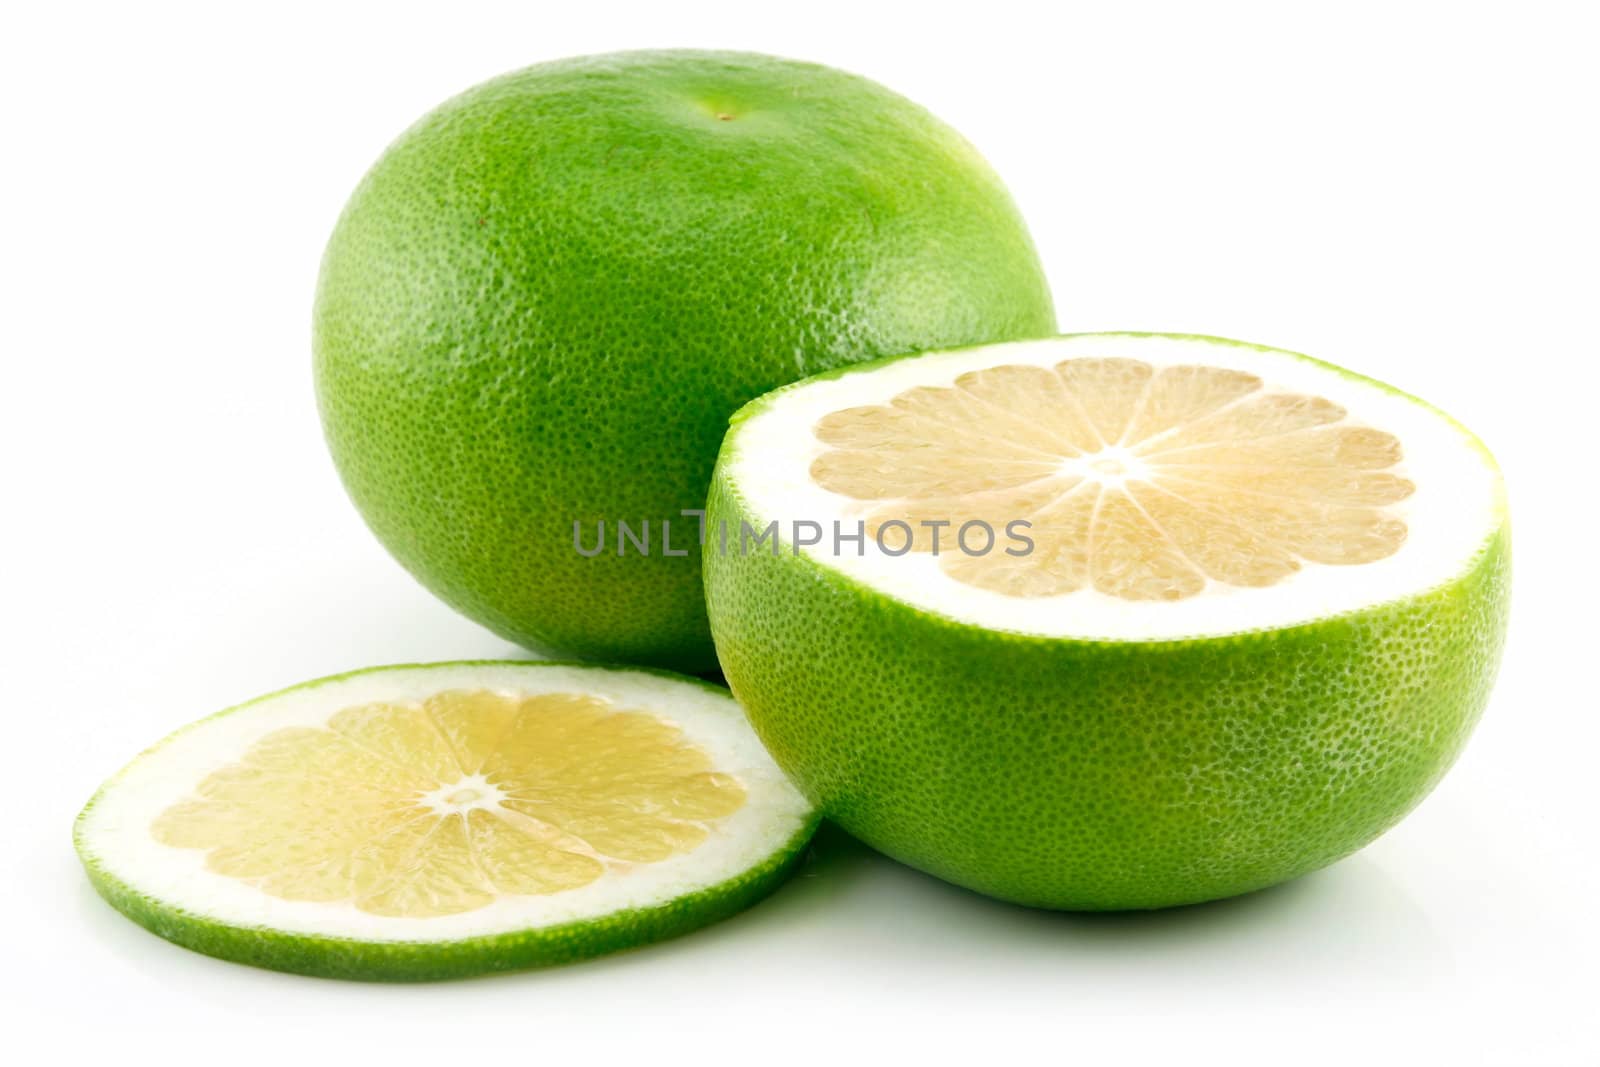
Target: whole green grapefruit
[541,305]
[1204,616]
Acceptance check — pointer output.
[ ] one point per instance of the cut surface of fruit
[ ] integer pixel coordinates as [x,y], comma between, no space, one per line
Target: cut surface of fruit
[1143,483]
[1123,485]
[1205,615]
[446,819]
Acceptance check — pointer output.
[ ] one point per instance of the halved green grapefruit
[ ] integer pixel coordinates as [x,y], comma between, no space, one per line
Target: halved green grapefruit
[446,820]
[1201,616]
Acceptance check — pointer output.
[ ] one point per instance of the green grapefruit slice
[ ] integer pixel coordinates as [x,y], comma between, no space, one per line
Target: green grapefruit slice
[1205,615]
[446,820]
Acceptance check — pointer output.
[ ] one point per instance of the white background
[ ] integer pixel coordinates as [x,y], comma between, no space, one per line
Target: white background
[1406,189]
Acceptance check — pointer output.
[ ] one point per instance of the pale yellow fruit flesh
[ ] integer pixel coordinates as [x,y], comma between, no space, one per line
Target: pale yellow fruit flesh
[440,806]
[1142,483]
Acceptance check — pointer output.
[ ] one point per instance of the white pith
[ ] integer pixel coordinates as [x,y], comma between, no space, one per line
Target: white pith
[1458,503]
[116,830]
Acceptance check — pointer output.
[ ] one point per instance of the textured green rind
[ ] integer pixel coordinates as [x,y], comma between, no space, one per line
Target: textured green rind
[544,301]
[420,961]
[1102,775]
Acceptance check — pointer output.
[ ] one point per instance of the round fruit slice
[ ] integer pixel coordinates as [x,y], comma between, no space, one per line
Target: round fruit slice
[446,820]
[1108,621]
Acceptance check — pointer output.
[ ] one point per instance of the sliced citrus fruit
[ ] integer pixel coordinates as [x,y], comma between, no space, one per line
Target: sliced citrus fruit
[446,820]
[1110,620]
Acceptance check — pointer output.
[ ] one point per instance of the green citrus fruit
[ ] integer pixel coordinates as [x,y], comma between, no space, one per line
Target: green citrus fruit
[1205,615]
[444,820]
[544,301]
